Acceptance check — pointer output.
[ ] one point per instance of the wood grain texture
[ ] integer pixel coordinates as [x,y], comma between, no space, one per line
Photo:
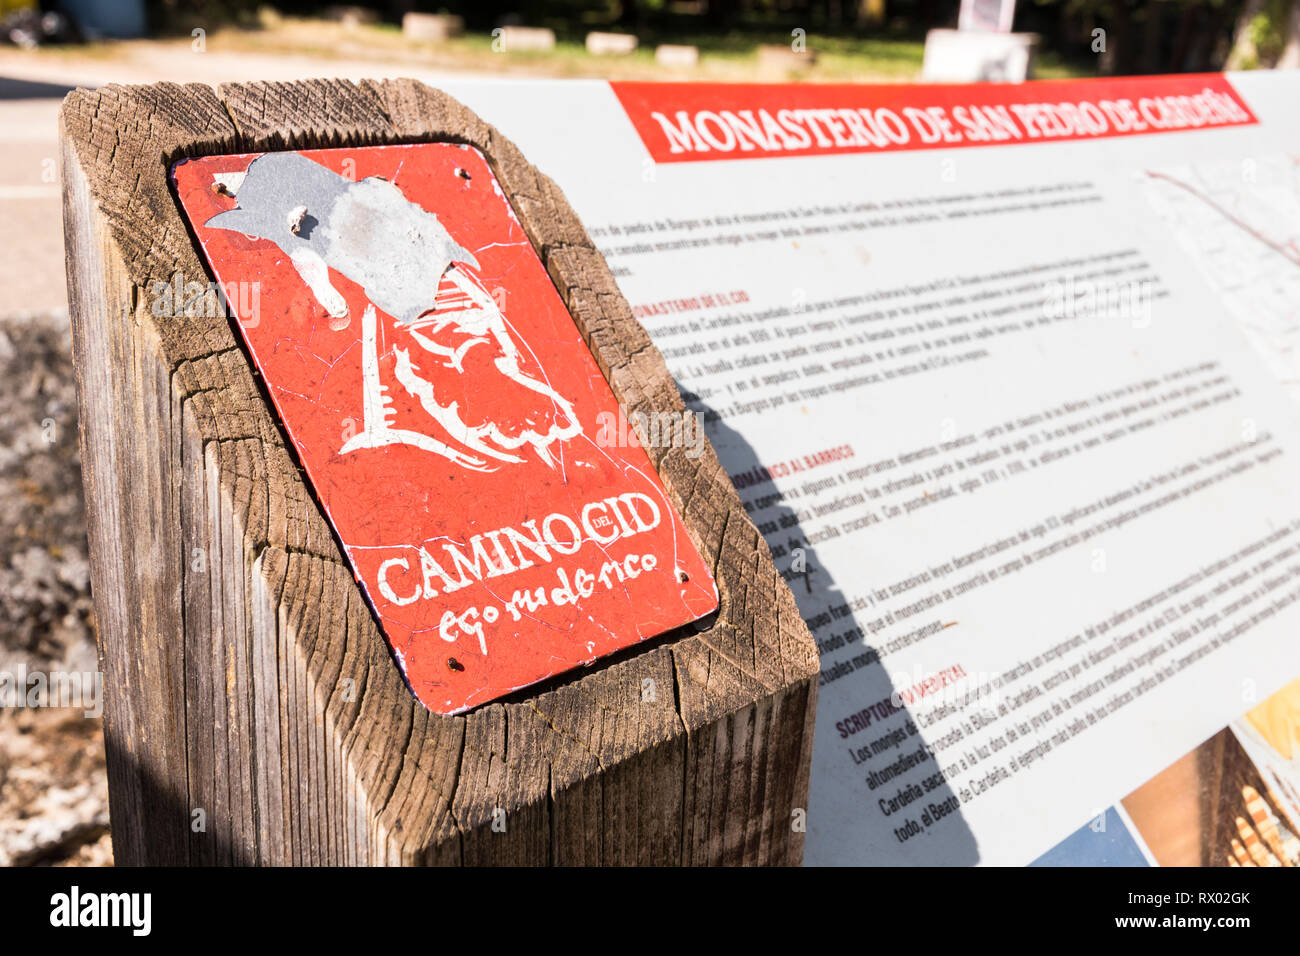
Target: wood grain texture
[245,675]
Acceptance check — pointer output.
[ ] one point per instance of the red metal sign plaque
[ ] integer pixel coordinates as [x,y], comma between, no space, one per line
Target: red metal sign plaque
[454,425]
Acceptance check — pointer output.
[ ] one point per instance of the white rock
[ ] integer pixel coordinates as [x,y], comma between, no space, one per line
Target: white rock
[610,44]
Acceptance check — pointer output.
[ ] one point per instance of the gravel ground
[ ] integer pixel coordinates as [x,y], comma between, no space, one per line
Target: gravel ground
[53,793]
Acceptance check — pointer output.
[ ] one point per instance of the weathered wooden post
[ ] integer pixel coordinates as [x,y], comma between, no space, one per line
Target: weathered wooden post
[254,712]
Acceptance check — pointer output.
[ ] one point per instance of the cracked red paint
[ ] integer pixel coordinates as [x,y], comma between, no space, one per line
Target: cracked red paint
[452,422]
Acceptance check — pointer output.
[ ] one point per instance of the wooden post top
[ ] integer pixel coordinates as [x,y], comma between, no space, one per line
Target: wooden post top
[260,683]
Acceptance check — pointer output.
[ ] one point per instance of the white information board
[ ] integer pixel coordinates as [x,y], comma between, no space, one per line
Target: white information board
[995,15]
[1002,374]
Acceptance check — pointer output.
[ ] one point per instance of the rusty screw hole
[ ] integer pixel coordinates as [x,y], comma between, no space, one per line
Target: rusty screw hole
[454,664]
[683,576]
[463,174]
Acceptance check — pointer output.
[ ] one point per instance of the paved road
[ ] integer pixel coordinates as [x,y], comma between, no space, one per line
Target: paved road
[31,234]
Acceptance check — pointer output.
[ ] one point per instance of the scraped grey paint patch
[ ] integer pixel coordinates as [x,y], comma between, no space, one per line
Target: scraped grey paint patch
[366,230]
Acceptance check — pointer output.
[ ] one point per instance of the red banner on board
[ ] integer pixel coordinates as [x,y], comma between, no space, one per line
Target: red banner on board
[680,122]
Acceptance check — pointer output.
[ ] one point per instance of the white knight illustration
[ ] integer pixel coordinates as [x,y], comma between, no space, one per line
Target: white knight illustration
[451,341]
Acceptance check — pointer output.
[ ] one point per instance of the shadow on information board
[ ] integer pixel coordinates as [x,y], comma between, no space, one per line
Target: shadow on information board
[847,822]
